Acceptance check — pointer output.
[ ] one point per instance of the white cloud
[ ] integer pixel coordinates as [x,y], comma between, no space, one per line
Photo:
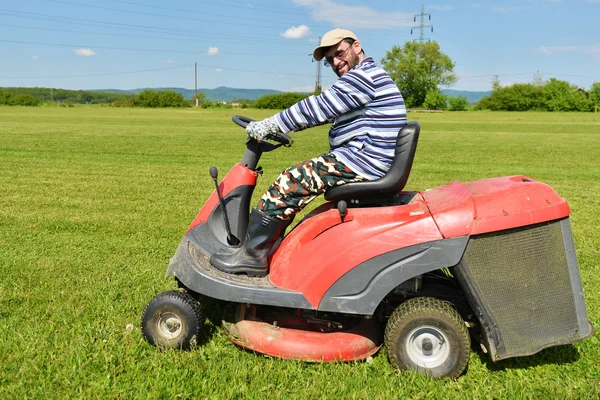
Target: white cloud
[85,52]
[296,32]
[556,49]
[213,51]
[593,50]
[506,10]
[169,61]
[218,69]
[357,17]
[476,5]
[35,58]
[440,8]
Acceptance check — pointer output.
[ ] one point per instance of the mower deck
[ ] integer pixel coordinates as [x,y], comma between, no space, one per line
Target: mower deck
[299,338]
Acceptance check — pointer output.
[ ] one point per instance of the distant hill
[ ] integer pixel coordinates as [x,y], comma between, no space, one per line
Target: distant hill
[220,93]
[472,97]
[229,94]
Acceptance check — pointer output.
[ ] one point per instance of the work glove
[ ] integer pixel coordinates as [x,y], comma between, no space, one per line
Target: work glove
[260,129]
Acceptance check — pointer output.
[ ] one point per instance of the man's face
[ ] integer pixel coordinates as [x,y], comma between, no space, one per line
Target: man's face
[343,57]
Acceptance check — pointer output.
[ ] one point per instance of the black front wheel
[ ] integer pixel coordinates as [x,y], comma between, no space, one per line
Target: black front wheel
[429,336]
[173,320]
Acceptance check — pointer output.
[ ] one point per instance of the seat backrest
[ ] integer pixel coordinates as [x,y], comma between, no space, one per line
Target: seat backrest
[391,183]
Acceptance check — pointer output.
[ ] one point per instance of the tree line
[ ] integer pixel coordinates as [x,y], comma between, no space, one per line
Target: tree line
[552,95]
[17,96]
[421,69]
[39,95]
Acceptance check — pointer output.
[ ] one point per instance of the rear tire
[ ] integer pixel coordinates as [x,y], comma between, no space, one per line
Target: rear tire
[173,320]
[429,336]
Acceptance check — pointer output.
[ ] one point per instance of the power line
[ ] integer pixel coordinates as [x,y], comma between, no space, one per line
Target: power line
[93,75]
[178,38]
[152,70]
[184,11]
[138,12]
[532,74]
[271,8]
[181,10]
[133,27]
[148,50]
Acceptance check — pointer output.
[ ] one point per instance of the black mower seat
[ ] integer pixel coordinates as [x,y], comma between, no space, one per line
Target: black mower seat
[391,183]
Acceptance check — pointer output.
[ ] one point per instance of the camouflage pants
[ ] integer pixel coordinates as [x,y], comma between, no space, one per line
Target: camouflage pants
[299,184]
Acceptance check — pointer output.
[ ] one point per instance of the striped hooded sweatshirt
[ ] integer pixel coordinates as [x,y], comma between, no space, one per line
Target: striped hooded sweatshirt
[367,112]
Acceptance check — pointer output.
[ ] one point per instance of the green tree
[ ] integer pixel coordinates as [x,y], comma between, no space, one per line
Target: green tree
[163,98]
[495,83]
[170,98]
[435,100]
[459,103]
[417,68]
[201,99]
[517,97]
[561,96]
[146,98]
[13,99]
[594,98]
[279,101]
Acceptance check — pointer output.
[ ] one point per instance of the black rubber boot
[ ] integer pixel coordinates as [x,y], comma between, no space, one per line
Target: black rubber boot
[251,257]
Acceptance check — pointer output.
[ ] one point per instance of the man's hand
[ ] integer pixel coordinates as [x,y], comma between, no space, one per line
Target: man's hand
[260,129]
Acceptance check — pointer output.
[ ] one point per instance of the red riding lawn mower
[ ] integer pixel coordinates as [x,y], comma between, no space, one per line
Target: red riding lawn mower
[421,272]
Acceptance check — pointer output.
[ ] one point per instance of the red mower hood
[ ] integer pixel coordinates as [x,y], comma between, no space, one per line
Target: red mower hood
[493,204]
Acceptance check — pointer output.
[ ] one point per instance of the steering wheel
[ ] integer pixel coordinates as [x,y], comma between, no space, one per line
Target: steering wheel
[278,137]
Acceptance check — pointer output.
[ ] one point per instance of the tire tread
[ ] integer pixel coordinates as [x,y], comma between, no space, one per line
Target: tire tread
[175,297]
[422,307]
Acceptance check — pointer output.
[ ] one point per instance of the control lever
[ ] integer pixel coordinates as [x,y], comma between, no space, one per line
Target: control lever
[343,209]
[232,240]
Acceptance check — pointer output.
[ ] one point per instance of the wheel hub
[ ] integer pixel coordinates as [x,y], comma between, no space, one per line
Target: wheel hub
[427,347]
[169,325]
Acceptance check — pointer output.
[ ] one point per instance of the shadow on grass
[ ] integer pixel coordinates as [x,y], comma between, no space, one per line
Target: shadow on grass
[213,310]
[564,354]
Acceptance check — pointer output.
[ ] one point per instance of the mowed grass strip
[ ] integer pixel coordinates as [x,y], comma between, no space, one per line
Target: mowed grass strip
[94,202]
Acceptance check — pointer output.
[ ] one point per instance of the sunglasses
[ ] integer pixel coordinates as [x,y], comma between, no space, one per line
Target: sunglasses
[340,55]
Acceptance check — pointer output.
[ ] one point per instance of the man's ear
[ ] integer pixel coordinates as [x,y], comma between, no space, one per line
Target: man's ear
[356,47]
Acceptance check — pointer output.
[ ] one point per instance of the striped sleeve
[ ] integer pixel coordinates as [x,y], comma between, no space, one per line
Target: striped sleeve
[353,90]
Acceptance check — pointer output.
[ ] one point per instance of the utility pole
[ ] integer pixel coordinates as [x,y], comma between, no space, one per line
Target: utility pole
[318,80]
[422,25]
[537,79]
[196,82]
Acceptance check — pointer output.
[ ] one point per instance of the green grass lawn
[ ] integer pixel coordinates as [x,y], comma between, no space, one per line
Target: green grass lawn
[94,202]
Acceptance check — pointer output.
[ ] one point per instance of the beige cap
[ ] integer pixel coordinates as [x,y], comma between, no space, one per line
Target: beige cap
[329,39]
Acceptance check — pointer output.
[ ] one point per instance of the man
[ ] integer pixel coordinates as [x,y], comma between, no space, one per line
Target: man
[367,111]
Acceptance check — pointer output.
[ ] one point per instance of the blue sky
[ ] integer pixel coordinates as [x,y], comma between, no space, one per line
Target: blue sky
[127,44]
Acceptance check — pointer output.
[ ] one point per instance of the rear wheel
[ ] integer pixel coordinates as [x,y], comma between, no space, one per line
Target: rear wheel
[173,320]
[429,336]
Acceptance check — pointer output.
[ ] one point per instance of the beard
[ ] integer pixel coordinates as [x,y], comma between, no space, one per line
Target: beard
[347,64]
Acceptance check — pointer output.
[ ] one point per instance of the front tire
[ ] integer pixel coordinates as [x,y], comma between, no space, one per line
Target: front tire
[173,320]
[428,335]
